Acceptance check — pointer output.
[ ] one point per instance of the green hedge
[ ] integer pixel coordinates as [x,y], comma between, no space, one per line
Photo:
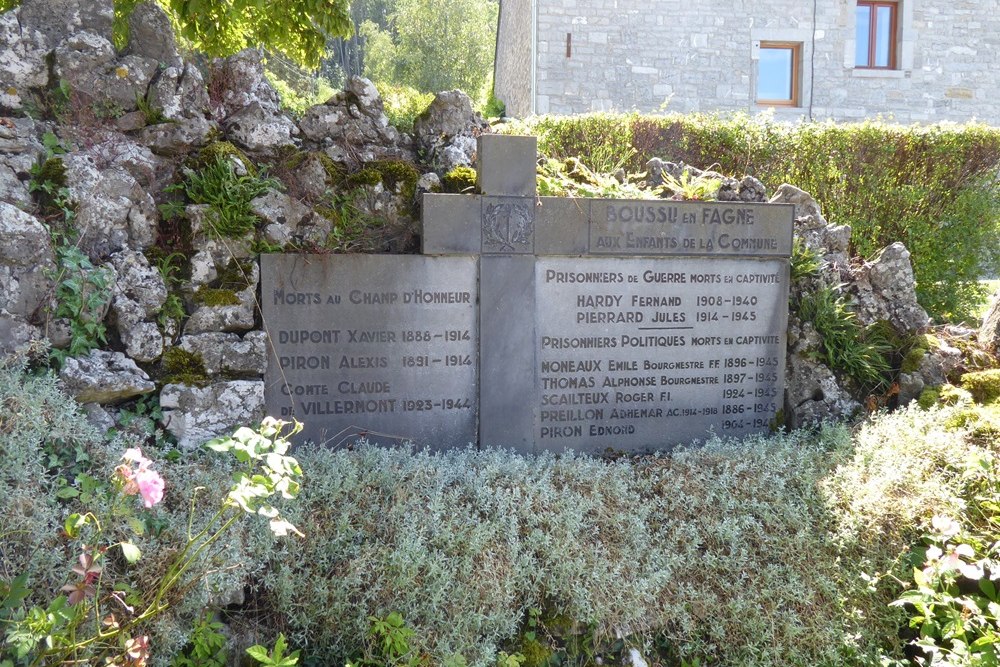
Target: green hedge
[933,188]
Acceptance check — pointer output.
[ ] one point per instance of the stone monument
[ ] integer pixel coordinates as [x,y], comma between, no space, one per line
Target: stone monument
[539,322]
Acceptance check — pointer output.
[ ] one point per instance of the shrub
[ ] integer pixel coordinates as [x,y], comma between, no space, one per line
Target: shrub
[300,91]
[721,548]
[932,188]
[403,104]
[54,462]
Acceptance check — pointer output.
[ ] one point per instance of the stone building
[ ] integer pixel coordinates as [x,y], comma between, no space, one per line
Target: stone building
[907,60]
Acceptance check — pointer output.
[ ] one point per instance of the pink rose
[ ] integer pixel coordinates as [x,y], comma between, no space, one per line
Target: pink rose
[150,486]
[134,455]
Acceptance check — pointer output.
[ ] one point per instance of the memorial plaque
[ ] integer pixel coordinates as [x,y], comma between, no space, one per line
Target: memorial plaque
[638,354]
[542,323]
[375,345]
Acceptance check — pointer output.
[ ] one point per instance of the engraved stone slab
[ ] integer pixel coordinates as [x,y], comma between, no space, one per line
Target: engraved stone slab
[610,227]
[373,345]
[657,227]
[641,353]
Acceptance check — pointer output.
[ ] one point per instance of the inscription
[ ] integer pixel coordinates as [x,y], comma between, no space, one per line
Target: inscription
[379,346]
[659,368]
[688,228]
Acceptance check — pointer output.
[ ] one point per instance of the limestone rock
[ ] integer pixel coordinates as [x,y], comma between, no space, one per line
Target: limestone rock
[137,297]
[195,415]
[87,62]
[805,205]
[885,289]
[935,367]
[228,353]
[143,341]
[238,81]
[446,132]
[58,19]
[812,393]
[177,138]
[26,261]
[22,59]
[989,332]
[124,153]
[352,126]
[98,417]
[429,182]
[213,252]
[18,136]
[152,36]
[104,377]
[12,189]
[237,317]
[179,92]
[80,54]
[113,210]
[28,34]
[311,178]
[278,208]
[16,335]
[138,283]
[130,122]
[729,188]
[752,190]
[260,130]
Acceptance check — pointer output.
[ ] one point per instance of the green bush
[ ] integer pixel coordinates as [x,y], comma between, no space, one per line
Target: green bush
[403,104]
[721,548]
[983,385]
[932,188]
[54,464]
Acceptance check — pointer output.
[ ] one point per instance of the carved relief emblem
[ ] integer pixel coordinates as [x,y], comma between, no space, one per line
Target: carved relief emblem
[508,227]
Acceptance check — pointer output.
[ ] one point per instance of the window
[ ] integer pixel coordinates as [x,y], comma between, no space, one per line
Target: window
[778,73]
[875,39]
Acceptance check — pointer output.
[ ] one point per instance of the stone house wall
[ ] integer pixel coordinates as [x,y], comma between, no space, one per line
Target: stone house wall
[698,56]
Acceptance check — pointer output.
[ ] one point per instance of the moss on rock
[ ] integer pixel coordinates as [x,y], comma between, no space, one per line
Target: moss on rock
[222,150]
[929,397]
[397,176]
[178,366]
[234,276]
[459,179]
[983,385]
[216,296]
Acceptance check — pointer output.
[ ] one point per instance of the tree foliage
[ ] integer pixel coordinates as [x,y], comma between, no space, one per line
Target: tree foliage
[297,28]
[434,45]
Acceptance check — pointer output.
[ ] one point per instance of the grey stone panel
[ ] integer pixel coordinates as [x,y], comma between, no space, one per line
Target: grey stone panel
[506,165]
[376,346]
[507,354]
[452,224]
